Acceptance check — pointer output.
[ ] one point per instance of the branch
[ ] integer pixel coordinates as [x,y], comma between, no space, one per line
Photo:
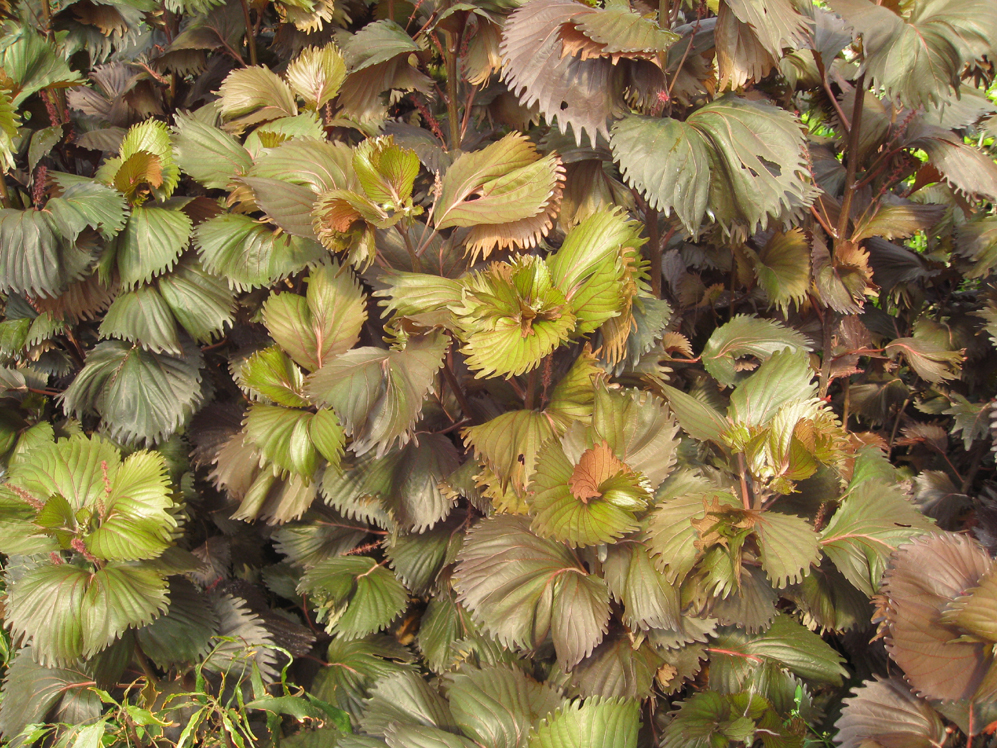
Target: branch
[853,161]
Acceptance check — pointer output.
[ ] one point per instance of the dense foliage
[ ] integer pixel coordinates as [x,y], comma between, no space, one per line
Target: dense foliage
[498,373]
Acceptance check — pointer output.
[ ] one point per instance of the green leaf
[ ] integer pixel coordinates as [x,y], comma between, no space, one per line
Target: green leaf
[44,610]
[50,257]
[783,378]
[405,698]
[509,445]
[354,668]
[670,536]
[417,558]
[648,600]
[283,439]
[788,547]
[519,588]
[966,168]
[271,374]
[378,394]
[356,595]
[140,396]
[42,143]
[118,598]
[248,255]
[919,59]
[505,193]
[974,611]
[151,244]
[183,633]
[786,643]
[142,317]
[35,63]
[782,268]
[594,723]
[386,171]
[499,339]
[497,706]
[399,735]
[9,121]
[153,136]
[748,180]
[31,691]
[697,418]
[136,522]
[208,154]
[871,522]
[747,335]
[201,302]
[243,644]
[401,488]
[253,95]
[318,165]
[317,74]
[590,502]
[326,322]
[287,205]
[710,719]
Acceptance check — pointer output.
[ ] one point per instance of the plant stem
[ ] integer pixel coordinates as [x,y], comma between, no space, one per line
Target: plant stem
[250,37]
[742,469]
[830,320]
[4,194]
[455,387]
[451,49]
[664,13]
[853,161]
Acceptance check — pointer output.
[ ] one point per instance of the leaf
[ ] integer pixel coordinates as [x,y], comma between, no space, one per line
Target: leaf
[936,661]
[34,63]
[919,60]
[183,633]
[378,394]
[788,547]
[140,396]
[142,317]
[928,360]
[283,439]
[317,74]
[617,669]
[400,735]
[671,537]
[783,378]
[577,92]
[42,142]
[747,335]
[323,324]
[401,488]
[136,521]
[51,257]
[119,597]
[509,445]
[208,154]
[885,712]
[31,691]
[898,221]
[782,268]
[871,522]
[751,180]
[286,205]
[318,165]
[697,418]
[242,644]
[405,698]
[648,600]
[790,645]
[271,374]
[151,244]
[964,167]
[519,587]
[9,121]
[44,611]
[253,95]
[386,172]
[418,558]
[974,611]
[595,723]
[248,255]
[499,338]
[356,595]
[152,137]
[505,193]
[356,666]
[202,303]
[497,706]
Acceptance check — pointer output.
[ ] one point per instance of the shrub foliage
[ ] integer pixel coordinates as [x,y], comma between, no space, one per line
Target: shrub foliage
[499,373]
